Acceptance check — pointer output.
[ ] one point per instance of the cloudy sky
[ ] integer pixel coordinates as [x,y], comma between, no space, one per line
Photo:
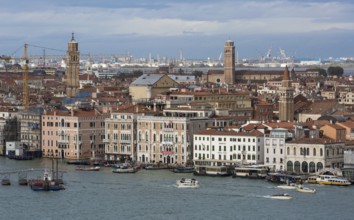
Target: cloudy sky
[199,28]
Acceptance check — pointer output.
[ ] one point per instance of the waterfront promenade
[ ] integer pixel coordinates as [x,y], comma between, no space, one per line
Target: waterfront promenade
[152,195]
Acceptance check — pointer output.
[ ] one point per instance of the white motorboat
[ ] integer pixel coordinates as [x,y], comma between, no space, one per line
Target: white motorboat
[281,196]
[187,183]
[287,186]
[301,188]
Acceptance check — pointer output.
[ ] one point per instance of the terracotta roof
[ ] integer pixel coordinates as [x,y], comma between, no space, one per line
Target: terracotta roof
[349,124]
[229,133]
[323,140]
[335,126]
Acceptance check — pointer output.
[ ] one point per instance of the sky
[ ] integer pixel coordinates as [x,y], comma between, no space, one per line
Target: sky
[165,28]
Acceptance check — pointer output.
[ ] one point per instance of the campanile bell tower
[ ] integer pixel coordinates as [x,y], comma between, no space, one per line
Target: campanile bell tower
[72,68]
[229,62]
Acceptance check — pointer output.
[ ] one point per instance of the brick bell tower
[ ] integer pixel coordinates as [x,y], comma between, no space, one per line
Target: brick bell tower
[72,68]
[286,98]
[229,62]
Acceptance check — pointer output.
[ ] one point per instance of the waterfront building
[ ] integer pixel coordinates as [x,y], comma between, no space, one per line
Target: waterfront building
[228,147]
[30,128]
[169,138]
[286,98]
[120,134]
[274,148]
[75,134]
[9,127]
[72,68]
[311,155]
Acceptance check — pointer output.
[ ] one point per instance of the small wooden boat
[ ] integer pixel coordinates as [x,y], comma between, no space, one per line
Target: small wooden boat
[183,170]
[283,196]
[5,182]
[303,189]
[97,168]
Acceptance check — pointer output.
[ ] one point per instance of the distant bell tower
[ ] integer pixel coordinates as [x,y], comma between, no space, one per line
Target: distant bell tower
[286,98]
[72,68]
[229,62]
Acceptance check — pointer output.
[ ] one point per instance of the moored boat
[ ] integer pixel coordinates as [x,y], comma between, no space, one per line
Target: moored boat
[183,170]
[187,183]
[312,179]
[212,171]
[254,171]
[332,180]
[96,168]
[46,183]
[283,196]
[124,170]
[301,188]
[5,182]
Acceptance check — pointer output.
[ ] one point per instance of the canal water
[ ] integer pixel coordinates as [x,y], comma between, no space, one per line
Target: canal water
[151,194]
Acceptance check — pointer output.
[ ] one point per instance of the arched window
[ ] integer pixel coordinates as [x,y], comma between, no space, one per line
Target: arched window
[321,152]
[319,166]
[294,151]
[297,166]
[314,151]
[301,151]
[312,167]
[287,151]
[308,151]
[289,166]
[305,167]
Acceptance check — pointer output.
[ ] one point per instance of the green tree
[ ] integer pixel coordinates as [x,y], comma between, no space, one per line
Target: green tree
[335,71]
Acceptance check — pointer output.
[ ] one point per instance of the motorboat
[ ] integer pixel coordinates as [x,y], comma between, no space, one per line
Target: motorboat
[96,168]
[124,170]
[283,196]
[187,183]
[287,186]
[301,188]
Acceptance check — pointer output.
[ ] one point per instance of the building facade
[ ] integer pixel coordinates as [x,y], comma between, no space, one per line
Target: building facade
[215,148]
[311,155]
[77,134]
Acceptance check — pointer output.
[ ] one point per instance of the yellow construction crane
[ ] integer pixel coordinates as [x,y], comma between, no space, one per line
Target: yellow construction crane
[25,91]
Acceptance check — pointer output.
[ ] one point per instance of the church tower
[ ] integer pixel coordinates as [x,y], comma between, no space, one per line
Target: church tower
[229,62]
[286,98]
[72,68]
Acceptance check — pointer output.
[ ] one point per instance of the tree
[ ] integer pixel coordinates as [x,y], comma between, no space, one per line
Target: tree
[335,71]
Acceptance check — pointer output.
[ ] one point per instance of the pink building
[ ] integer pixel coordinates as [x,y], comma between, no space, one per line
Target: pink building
[77,134]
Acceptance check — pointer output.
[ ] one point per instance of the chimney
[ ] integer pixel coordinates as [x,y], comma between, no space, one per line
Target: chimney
[154,106]
[72,112]
[136,109]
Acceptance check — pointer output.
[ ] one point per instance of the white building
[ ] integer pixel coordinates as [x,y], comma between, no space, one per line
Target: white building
[311,155]
[274,148]
[213,147]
